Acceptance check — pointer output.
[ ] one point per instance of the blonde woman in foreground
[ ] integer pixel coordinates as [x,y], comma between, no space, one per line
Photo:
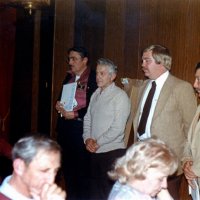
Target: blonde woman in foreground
[141,174]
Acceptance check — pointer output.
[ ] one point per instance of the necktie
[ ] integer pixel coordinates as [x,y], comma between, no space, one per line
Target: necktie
[146,109]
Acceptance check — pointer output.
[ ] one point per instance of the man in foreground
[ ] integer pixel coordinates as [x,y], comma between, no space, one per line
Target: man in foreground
[36,160]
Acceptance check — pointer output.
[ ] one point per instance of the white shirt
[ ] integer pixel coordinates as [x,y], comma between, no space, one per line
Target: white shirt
[77,77]
[159,84]
[10,192]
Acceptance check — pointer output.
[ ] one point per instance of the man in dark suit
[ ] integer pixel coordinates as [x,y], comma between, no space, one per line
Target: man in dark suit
[172,109]
[70,124]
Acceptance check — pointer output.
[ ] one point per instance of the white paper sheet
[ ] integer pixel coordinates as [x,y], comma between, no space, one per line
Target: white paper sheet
[68,96]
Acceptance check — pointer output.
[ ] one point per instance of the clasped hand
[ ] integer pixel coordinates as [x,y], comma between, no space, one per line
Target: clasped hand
[189,174]
[91,145]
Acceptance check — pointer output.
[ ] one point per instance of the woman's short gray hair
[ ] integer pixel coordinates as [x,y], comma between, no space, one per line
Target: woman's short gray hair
[112,68]
[150,153]
[27,147]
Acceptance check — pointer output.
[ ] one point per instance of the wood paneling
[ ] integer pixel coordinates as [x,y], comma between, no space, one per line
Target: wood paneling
[63,39]
[89,28]
[114,42]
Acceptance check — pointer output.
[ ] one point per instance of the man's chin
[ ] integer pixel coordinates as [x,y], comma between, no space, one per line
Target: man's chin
[35,192]
[154,194]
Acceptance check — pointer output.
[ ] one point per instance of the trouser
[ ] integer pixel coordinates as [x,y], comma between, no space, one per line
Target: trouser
[101,163]
[75,160]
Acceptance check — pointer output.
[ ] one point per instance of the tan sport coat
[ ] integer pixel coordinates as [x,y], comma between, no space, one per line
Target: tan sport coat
[173,114]
[192,146]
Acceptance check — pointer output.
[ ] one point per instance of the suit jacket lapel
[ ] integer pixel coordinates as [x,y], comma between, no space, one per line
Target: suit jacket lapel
[163,97]
[195,126]
[162,100]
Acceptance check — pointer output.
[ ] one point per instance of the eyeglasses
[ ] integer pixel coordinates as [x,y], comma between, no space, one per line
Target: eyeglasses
[74,59]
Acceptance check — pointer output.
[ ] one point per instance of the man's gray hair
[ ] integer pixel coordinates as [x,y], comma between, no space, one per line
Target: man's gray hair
[112,68]
[27,147]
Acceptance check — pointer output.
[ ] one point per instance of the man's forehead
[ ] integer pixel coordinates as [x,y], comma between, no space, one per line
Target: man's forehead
[46,153]
[46,159]
[197,73]
[74,53]
[147,54]
[101,67]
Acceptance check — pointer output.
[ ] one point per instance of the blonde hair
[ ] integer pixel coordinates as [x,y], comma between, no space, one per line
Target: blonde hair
[150,153]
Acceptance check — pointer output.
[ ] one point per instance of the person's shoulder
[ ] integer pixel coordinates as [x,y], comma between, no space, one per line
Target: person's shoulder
[3,197]
[4,189]
[120,91]
[178,80]
[123,192]
[177,83]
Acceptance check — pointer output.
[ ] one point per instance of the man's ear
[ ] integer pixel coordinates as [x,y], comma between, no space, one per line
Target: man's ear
[85,59]
[19,166]
[113,77]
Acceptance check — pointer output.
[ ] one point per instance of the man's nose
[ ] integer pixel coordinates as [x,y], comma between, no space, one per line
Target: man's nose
[50,178]
[97,76]
[142,64]
[70,61]
[195,85]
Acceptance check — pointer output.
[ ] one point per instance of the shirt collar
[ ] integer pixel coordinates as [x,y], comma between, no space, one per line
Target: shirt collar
[10,192]
[107,88]
[162,78]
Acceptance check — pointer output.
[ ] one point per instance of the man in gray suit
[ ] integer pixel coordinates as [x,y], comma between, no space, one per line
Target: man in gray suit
[172,108]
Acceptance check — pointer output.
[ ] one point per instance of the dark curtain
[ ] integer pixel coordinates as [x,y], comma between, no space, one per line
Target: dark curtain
[7,52]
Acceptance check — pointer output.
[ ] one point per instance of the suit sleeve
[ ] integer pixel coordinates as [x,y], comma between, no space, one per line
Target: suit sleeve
[188,105]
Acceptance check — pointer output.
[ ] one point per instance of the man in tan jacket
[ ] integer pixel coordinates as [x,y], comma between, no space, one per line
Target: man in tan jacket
[172,109]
